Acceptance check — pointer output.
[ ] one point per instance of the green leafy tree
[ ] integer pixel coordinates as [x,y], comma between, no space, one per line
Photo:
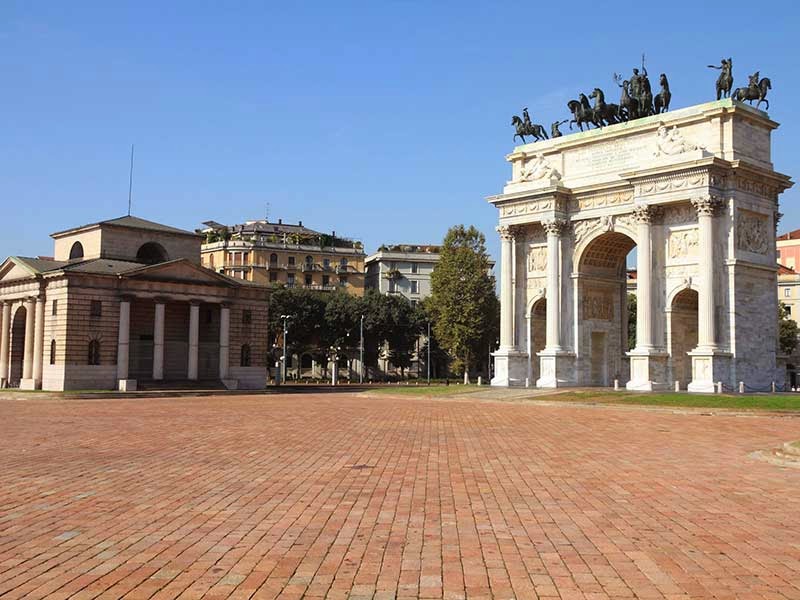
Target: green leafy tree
[787,330]
[307,309]
[631,321]
[463,304]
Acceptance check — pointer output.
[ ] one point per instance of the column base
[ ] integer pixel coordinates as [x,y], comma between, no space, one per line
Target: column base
[29,384]
[510,368]
[708,367]
[648,371]
[126,385]
[557,369]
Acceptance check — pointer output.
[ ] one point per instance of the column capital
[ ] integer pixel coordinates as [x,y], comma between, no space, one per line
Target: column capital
[506,232]
[160,299]
[195,302]
[707,206]
[555,226]
[126,298]
[647,214]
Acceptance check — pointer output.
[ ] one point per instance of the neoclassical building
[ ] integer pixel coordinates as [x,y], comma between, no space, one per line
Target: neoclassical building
[695,193]
[125,303]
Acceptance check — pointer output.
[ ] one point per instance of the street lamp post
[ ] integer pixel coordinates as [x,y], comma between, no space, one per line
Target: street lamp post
[285,319]
[429,353]
[361,353]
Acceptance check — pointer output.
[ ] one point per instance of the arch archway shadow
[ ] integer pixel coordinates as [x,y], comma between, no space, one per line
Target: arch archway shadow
[602,319]
[683,334]
[152,253]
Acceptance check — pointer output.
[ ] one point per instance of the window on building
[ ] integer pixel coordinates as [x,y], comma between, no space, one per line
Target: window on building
[413,304]
[343,280]
[309,260]
[54,312]
[343,262]
[414,268]
[308,279]
[787,292]
[326,280]
[76,251]
[415,287]
[96,308]
[245,256]
[789,311]
[290,279]
[273,276]
[326,263]
[52,352]
[245,359]
[211,261]
[291,261]
[273,260]
[94,353]
[247,317]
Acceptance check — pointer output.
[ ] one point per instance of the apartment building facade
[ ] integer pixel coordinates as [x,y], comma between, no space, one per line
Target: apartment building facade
[284,255]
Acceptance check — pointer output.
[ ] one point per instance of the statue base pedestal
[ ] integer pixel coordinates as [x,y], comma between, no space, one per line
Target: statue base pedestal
[510,367]
[648,371]
[709,366]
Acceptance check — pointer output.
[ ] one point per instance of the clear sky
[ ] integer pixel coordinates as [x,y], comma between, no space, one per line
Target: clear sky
[384,121]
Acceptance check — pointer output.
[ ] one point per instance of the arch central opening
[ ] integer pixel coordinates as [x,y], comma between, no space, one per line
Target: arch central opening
[604,309]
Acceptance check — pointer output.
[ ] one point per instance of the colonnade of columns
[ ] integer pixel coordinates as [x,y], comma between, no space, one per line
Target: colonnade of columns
[648,358]
[32,354]
[123,343]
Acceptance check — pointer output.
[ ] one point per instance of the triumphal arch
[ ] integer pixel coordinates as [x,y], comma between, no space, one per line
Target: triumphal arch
[695,193]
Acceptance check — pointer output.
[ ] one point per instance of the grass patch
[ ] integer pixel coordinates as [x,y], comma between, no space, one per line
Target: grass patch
[425,390]
[745,402]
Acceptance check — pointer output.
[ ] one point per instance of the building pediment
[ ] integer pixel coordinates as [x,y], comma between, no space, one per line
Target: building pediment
[181,271]
[13,269]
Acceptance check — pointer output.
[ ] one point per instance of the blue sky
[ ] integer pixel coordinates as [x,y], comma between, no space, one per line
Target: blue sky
[383,121]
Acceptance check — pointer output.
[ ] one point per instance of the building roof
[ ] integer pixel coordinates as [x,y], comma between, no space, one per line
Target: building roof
[784,270]
[102,266]
[39,265]
[130,222]
[791,235]
[263,226]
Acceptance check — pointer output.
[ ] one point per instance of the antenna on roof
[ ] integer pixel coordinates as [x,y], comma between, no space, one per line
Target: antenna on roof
[266,218]
[130,184]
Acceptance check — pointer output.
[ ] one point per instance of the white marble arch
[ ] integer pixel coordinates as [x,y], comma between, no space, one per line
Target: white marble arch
[713,179]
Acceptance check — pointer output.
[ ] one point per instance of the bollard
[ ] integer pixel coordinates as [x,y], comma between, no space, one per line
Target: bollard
[527,382]
[480,380]
[616,385]
[677,386]
[773,387]
[719,387]
[466,378]
[741,387]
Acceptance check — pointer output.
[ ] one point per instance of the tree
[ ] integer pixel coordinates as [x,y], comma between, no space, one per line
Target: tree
[787,330]
[463,304]
[631,321]
[307,309]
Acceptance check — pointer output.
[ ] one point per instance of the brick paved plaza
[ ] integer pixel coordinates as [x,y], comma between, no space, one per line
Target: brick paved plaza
[347,496]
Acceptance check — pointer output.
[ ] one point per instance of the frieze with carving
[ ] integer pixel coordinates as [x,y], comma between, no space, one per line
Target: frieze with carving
[684,243]
[598,306]
[671,183]
[526,208]
[601,200]
[538,168]
[671,142]
[537,259]
[757,187]
[752,232]
[679,215]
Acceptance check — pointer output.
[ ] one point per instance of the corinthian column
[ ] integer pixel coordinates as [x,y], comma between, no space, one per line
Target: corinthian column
[5,339]
[706,208]
[644,279]
[506,288]
[553,227]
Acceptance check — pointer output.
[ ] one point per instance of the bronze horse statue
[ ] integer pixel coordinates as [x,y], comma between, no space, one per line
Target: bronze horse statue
[531,129]
[663,98]
[754,91]
[604,114]
[628,105]
[581,113]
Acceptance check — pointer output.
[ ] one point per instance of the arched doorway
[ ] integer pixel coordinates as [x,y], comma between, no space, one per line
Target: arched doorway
[17,354]
[538,336]
[602,310]
[683,334]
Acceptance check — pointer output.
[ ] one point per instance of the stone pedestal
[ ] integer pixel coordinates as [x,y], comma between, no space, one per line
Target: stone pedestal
[27,384]
[648,371]
[708,368]
[510,367]
[557,369]
[127,385]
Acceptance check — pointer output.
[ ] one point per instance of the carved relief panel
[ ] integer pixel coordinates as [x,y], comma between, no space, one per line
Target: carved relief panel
[752,232]
[683,244]
[537,260]
[598,305]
